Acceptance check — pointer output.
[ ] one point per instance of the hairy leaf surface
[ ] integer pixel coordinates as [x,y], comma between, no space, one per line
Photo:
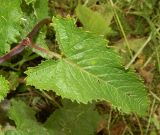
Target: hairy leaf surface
[73,119]
[89,71]
[4,87]
[10,19]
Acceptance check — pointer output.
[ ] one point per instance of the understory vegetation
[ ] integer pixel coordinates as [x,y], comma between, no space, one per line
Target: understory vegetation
[79,67]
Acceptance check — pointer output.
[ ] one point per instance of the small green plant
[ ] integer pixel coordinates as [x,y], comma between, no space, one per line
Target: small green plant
[84,69]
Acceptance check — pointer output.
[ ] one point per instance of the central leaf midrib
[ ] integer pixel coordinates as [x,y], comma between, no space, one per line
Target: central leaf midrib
[85,71]
[73,64]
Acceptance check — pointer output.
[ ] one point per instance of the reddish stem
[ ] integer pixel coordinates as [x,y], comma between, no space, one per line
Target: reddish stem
[16,50]
[37,27]
[25,42]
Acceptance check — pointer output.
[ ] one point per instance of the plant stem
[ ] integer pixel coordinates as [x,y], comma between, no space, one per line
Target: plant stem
[16,50]
[86,2]
[150,115]
[128,128]
[139,124]
[154,95]
[158,59]
[52,99]
[121,28]
[37,27]
[109,122]
[27,41]
[47,52]
[151,56]
[139,51]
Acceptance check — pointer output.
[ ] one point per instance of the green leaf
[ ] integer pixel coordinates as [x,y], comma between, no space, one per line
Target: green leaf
[4,87]
[41,9]
[73,119]
[24,119]
[94,21]
[15,24]
[89,71]
[12,78]
[10,19]
[37,11]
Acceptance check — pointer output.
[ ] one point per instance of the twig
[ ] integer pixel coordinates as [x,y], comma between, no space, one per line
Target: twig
[154,95]
[37,27]
[139,124]
[128,128]
[49,53]
[150,115]
[121,28]
[16,50]
[52,99]
[139,51]
[158,59]
[25,42]
[109,122]
[148,60]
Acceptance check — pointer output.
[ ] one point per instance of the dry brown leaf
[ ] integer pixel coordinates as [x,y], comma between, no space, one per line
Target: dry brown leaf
[118,128]
[147,75]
